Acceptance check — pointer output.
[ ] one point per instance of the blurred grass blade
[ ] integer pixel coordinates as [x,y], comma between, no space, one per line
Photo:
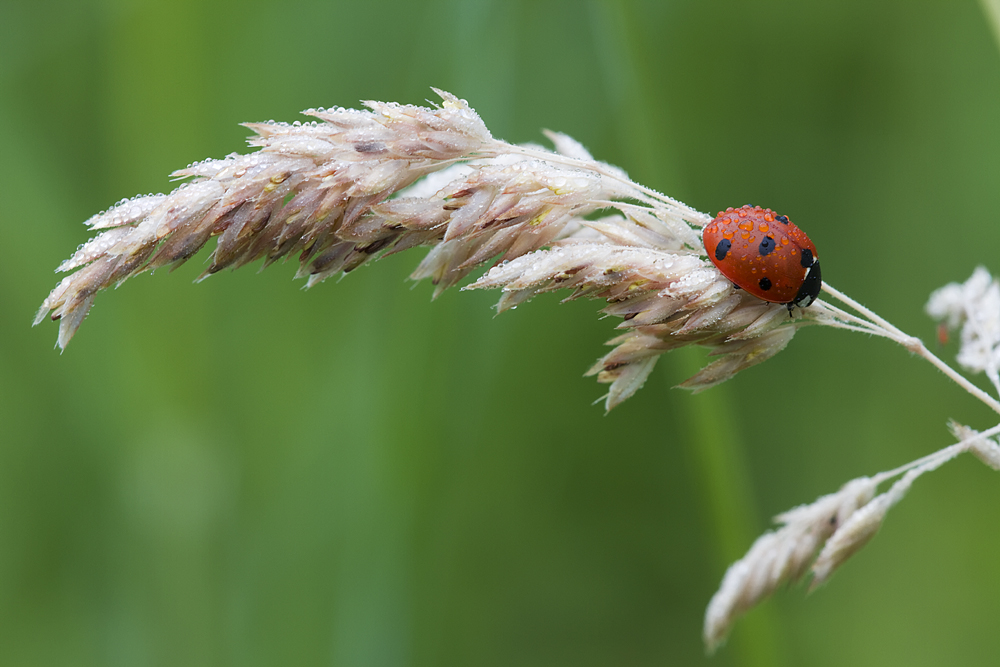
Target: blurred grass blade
[992,10]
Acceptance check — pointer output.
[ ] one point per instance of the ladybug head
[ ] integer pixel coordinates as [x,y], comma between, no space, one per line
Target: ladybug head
[810,285]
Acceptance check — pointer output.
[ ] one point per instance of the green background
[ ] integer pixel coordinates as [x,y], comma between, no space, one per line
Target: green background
[243,473]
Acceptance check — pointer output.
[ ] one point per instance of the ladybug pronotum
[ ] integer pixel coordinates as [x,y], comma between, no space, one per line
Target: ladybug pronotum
[765,254]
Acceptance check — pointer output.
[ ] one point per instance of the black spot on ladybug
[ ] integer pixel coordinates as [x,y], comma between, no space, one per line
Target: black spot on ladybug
[807,257]
[722,249]
[765,283]
[766,246]
[783,219]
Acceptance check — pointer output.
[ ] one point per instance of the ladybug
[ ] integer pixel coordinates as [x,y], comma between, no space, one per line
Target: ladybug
[765,254]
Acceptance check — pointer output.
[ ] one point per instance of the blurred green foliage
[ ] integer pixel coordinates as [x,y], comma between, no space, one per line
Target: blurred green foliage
[243,473]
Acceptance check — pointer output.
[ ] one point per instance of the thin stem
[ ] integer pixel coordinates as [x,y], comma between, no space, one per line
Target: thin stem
[843,298]
[957,377]
[917,346]
[869,327]
[865,330]
[946,454]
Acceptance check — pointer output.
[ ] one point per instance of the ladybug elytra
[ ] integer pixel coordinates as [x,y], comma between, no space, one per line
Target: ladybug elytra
[765,254]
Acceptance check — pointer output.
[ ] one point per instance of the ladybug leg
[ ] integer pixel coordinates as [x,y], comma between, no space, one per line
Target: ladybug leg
[790,305]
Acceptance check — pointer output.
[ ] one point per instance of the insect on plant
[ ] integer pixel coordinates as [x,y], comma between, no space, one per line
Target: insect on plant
[766,254]
[351,186]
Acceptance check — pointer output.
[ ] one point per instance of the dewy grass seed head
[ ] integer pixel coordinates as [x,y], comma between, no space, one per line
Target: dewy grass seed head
[354,185]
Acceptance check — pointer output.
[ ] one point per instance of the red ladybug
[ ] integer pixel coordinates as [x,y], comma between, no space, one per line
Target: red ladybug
[765,254]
